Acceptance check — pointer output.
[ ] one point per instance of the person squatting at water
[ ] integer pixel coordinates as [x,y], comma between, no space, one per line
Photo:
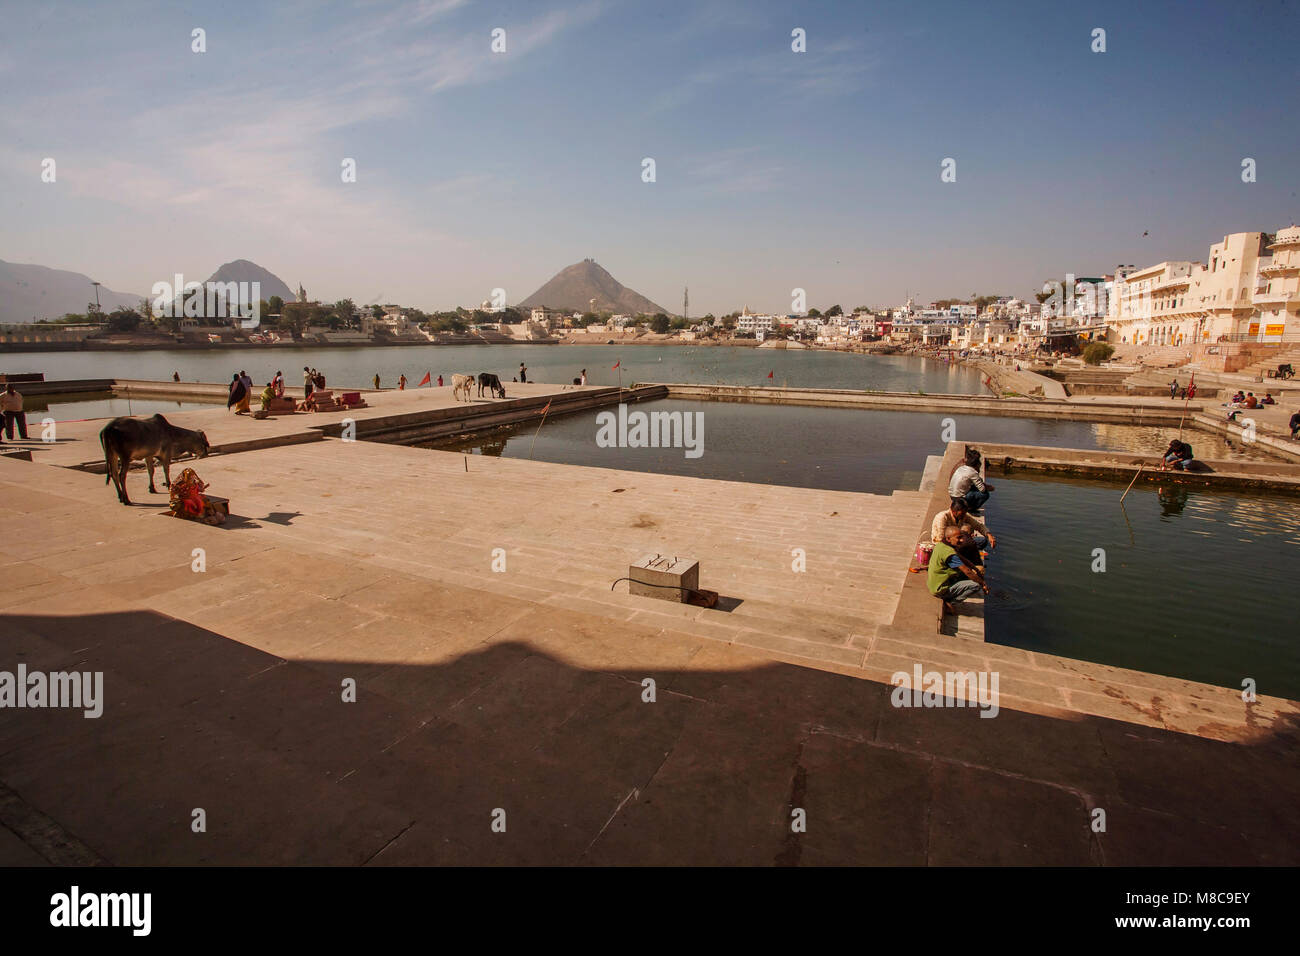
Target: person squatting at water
[958,516]
[952,578]
[966,482]
[1177,456]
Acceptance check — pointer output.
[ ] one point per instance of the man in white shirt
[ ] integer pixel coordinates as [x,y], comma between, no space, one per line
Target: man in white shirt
[12,403]
[967,483]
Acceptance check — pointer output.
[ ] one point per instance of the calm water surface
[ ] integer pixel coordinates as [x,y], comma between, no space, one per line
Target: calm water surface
[103,406]
[1195,584]
[839,449]
[556,364]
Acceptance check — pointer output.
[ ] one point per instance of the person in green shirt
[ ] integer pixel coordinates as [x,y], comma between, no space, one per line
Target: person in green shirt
[952,578]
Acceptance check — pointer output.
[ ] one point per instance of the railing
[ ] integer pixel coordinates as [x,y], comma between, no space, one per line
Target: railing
[1256,337]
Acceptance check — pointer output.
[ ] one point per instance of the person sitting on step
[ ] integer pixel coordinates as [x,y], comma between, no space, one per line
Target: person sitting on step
[952,578]
[967,483]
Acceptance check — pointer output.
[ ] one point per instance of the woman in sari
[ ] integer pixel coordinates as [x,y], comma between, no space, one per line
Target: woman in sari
[238,395]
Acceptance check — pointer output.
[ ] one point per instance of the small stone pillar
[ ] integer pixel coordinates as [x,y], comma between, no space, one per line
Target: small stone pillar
[663,576]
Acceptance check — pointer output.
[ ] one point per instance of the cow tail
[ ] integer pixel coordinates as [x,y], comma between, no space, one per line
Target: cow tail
[108,461]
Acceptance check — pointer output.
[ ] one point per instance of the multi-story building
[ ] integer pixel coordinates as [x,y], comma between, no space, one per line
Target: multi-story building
[749,322]
[1187,303]
[1277,298]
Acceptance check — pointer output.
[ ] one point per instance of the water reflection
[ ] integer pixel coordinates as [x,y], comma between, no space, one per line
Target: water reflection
[1185,589]
[493,445]
[1173,499]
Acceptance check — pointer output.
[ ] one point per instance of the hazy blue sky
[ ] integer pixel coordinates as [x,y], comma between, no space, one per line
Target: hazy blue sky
[774,169]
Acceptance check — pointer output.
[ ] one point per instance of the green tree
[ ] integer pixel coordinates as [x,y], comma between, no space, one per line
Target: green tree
[1094,353]
[274,305]
[814,314]
[123,320]
[679,323]
[345,311]
[832,311]
[659,323]
[294,317]
[376,312]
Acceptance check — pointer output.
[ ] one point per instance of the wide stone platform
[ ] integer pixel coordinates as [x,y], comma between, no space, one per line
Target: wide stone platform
[77,442]
[524,689]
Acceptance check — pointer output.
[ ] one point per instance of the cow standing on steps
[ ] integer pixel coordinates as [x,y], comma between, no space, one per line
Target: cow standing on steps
[129,439]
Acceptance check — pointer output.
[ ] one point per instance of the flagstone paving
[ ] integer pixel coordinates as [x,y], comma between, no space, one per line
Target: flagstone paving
[608,728]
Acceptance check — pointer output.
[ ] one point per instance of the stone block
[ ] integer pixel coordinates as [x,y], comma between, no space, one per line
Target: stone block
[663,576]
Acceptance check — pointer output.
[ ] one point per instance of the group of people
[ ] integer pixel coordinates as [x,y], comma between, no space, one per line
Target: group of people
[1186,391]
[1248,400]
[241,391]
[959,537]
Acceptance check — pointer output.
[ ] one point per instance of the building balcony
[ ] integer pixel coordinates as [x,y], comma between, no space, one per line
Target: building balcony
[1274,268]
[1279,296]
[1172,283]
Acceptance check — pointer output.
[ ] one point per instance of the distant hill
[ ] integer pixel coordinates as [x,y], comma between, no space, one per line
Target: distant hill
[31,292]
[241,270]
[572,290]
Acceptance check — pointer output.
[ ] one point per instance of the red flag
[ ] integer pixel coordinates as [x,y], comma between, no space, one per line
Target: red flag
[426,380]
[769,374]
[616,364]
[547,408]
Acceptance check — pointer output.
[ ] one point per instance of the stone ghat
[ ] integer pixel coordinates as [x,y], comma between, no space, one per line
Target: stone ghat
[1147,413]
[416,414]
[525,688]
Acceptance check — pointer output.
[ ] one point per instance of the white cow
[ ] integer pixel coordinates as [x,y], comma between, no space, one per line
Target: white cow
[461,383]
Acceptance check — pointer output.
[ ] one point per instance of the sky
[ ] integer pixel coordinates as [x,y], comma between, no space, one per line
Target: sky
[774,169]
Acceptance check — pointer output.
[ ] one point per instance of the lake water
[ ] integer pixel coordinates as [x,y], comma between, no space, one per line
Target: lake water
[1191,587]
[842,449]
[102,405]
[557,364]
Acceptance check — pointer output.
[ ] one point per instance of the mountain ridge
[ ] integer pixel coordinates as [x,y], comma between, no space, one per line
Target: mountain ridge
[245,270]
[29,292]
[573,288]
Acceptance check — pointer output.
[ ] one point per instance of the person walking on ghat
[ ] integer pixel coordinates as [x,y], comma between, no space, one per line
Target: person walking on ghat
[12,403]
[176,376]
[238,399]
[278,384]
[584,376]
[1173,388]
[401,382]
[376,381]
[308,379]
[523,373]
[247,380]
[440,381]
